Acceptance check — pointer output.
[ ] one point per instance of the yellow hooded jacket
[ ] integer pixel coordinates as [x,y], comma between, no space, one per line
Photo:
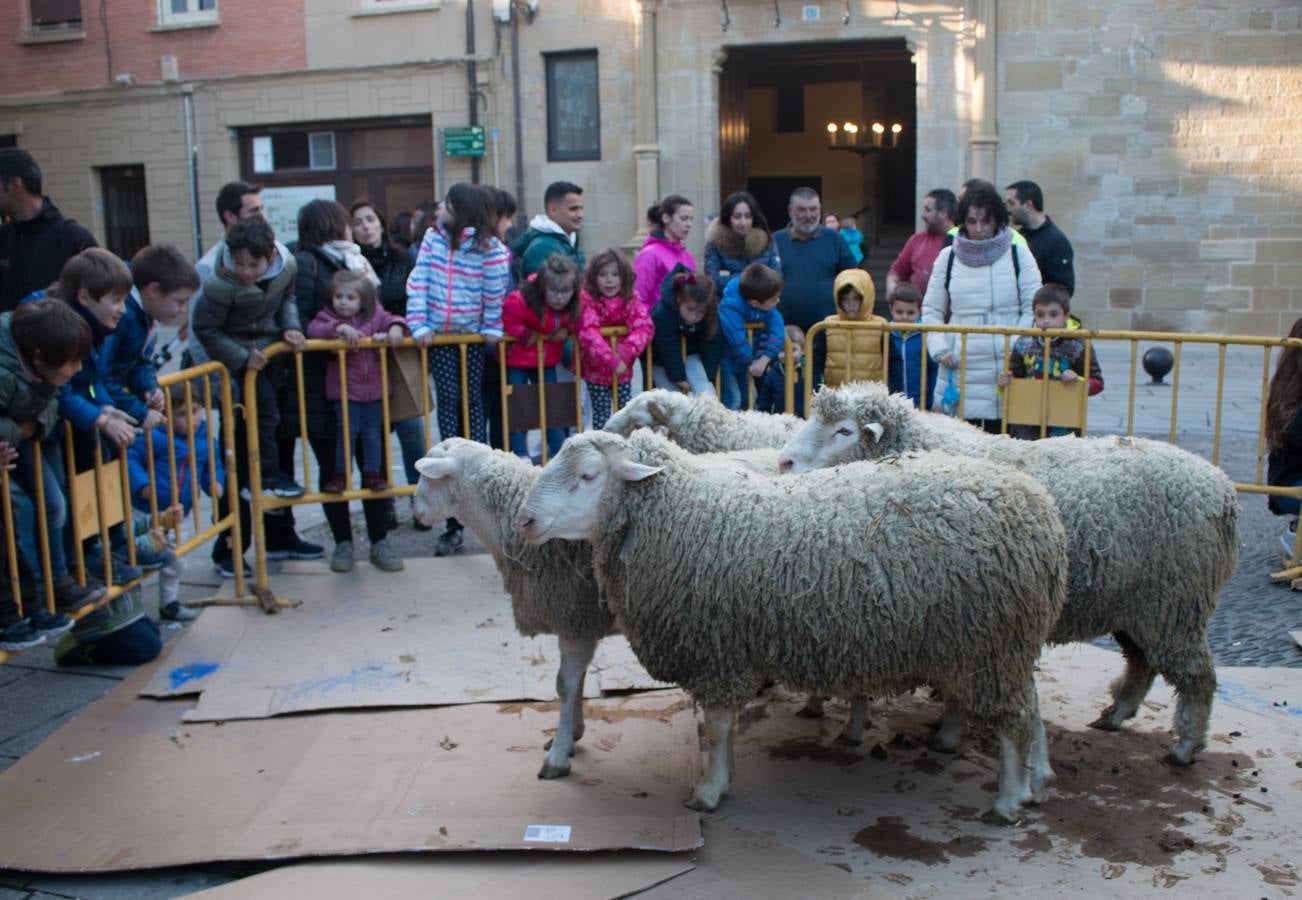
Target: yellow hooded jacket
[854,354]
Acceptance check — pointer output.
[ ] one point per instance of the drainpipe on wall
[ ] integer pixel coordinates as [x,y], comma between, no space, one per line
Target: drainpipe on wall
[472,82]
[516,110]
[192,164]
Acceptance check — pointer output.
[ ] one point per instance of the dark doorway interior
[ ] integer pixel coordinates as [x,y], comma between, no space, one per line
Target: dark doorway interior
[772,194]
[126,212]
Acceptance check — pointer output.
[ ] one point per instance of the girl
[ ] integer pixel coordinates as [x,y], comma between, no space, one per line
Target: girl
[544,312]
[739,237]
[354,314]
[688,311]
[671,222]
[457,287]
[609,300]
[1284,434]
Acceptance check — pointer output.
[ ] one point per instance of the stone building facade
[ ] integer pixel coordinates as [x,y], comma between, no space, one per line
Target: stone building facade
[1165,135]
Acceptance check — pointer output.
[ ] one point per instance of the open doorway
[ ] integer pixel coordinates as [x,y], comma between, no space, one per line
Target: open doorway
[775,105]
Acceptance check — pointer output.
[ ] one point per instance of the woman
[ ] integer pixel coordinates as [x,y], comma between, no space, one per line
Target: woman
[1284,435]
[739,237]
[392,266]
[982,280]
[671,222]
[325,245]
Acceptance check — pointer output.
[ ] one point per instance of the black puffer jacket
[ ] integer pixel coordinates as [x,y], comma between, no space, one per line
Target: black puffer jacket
[32,253]
[393,267]
[315,270]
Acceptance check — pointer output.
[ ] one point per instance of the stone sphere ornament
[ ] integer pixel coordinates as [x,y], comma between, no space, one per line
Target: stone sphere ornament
[1157,362]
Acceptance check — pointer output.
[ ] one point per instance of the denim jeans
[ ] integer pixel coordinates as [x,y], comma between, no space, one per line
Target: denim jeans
[555,436]
[23,494]
[367,421]
[733,384]
[411,438]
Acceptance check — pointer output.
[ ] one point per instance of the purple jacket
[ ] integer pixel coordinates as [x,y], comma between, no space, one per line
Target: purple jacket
[364,384]
[655,260]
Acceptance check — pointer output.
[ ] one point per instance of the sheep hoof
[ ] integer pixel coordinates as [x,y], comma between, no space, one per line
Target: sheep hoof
[846,740]
[1106,722]
[551,770]
[810,712]
[701,804]
[942,745]
[995,817]
[1182,754]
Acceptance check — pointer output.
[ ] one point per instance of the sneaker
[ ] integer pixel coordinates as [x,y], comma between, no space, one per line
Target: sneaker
[225,567]
[374,481]
[175,612]
[283,486]
[342,559]
[70,596]
[20,635]
[384,557]
[146,559]
[300,549]
[50,624]
[449,542]
[1289,538]
[335,485]
[123,571]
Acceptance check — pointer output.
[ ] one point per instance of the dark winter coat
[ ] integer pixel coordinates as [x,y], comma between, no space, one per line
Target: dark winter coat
[32,253]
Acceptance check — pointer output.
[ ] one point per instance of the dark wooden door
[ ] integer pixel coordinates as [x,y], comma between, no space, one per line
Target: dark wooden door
[126,212]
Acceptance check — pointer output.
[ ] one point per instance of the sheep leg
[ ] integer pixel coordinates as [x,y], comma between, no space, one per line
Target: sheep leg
[949,731]
[576,654]
[1129,690]
[813,708]
[852,734]
[1014,785]
[719,727]
[1194,680]
[1041,771]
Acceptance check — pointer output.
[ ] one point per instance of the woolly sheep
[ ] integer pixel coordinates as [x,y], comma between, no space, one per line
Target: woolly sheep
[699,423]
[552,588]
[840,608]
[1116,496]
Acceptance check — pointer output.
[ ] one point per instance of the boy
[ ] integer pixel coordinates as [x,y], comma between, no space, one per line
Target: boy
[1051,307]
[904,366]
[163,282]
[42,344]
[749,297]
[843,355]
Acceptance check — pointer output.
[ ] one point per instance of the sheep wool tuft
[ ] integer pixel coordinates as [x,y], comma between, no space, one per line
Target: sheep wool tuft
[699,423]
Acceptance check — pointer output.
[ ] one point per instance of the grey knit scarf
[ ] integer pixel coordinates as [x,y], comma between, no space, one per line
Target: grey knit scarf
[976,254]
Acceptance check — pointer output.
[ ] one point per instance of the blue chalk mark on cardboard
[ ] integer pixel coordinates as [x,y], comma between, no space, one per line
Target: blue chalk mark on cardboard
[183,675]
[1244,698]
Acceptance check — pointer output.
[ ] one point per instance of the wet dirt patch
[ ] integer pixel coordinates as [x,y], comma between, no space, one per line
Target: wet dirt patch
[1033,842]
[889,836]
[928,766]
[795,749]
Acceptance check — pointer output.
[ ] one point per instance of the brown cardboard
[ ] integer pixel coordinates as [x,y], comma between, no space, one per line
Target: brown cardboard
[440,632]
[198,655]
[126,786]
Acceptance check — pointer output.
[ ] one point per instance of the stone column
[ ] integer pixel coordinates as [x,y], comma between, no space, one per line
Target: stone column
[646,137]
[984,144]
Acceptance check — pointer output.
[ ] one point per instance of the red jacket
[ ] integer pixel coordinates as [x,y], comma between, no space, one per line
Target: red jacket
[519,321]
[363,365]
[599,361]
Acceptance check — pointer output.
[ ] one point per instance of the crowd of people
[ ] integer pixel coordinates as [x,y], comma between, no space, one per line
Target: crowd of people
[77,343]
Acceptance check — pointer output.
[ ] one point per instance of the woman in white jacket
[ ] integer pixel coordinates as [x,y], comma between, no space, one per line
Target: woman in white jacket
[983,279]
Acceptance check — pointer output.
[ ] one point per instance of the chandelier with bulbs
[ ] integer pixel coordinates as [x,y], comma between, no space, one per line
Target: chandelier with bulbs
[858,139]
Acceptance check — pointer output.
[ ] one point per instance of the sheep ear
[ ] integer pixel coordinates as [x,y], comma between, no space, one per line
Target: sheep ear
[438,467]
[659,413]
[627,470]
[876,429]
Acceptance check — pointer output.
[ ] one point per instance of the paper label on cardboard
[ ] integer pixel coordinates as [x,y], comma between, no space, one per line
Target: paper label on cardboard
[548,834]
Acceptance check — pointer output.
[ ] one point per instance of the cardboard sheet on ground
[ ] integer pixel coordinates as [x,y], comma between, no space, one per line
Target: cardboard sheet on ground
[126,785]
[439,633]
[1119,820]
[733,863]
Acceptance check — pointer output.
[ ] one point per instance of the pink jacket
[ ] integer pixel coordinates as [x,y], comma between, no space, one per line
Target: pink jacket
[363,365]
[519,321]
[654,261]
[599,361]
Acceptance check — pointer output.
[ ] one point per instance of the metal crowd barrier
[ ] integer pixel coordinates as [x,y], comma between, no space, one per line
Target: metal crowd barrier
[100,498]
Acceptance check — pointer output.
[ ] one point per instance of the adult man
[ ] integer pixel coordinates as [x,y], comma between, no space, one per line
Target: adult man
[1049,246]
[37,240]
[556,231]
[812,255]
[919,254]
[236,202]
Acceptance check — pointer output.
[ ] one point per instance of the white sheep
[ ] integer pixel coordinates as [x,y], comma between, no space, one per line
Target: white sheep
[699,423]
[888,576]
[1152,535]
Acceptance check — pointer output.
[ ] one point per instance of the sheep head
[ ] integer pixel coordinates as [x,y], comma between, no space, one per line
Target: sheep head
[565,500]
[661,410]
[438,494]
[851,423]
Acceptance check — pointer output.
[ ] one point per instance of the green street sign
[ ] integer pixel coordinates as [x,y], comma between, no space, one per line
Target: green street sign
[463,141]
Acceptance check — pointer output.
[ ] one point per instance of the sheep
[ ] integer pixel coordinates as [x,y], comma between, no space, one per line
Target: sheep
[701,424]
[552,588]
[1116,496]
[719,581]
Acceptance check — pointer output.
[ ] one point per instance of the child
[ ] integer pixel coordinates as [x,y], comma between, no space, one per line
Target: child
[164,281]
[609,300]
[842,355]
[354,314]
[852,236]
[457,287]
[688,311]
[905,359]
[1051,307]
[750,297]
[42,345]
[545,311]
[248,304]
[1284,435]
